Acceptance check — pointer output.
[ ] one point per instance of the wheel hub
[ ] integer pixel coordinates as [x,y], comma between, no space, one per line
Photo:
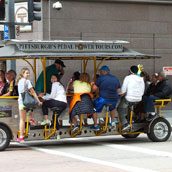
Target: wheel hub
[161,130]
[3,137]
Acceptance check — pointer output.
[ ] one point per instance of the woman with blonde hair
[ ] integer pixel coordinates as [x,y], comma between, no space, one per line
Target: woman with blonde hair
[24,84]
[81,102]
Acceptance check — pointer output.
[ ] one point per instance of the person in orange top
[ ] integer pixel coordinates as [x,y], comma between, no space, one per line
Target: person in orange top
[81,102]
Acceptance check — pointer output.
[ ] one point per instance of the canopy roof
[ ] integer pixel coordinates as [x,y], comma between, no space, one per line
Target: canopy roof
[29,49]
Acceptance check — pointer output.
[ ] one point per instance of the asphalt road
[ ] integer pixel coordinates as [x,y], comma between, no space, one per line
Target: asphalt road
[110,154]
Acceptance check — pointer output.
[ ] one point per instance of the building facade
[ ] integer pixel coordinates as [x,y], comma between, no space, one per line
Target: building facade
[146,24]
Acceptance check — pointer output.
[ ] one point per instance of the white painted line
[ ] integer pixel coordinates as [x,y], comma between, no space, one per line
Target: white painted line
[96,161]
[140,150]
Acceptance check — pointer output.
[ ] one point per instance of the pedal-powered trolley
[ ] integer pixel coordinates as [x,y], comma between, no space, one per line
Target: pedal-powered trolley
[33,52]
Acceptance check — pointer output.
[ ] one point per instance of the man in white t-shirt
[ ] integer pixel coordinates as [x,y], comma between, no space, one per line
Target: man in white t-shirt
[132,91]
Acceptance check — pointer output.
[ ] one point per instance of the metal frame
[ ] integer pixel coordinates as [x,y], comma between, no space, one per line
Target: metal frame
[43,58]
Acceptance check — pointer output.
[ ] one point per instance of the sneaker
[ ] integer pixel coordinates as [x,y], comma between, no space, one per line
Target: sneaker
[101,122]
[58,137]
[20,139]
[75,130]
[32,122]
[46,122]
[125,127]
[96,128]
[150,117]
[113,125]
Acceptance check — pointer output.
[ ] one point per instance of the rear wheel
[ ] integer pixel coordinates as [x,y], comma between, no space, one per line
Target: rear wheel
[160,130]
[130,136]
[4,137]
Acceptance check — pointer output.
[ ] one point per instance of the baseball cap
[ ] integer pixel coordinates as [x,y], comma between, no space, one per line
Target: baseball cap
[60,62]
[105,68]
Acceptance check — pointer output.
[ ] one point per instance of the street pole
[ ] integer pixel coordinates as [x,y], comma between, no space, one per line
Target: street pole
[11,19]
[11,64]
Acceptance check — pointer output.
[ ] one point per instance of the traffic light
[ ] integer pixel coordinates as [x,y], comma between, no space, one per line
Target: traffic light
[34,10]
[2,9]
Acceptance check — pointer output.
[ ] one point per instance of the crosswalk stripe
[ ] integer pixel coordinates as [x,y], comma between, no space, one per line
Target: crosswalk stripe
[140,150]
[93,160]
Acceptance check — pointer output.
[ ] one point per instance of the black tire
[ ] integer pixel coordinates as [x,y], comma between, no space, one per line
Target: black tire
[130,136]
[160,130]
[4,137]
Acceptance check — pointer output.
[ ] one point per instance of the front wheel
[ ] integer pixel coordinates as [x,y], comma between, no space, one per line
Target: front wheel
[160,130]
[4,138]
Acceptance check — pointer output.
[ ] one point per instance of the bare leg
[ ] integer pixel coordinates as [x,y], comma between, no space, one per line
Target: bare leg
[61,122]
[113,114]
[95,119]
[58,132]
[74,121]
[31,114]
[22,121]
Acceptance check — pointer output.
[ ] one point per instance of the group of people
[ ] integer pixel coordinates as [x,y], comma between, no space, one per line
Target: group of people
[55,93]
[7,83]
[135,90]
[117,97]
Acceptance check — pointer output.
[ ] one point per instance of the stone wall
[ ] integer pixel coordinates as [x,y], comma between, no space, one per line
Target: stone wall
[146,26]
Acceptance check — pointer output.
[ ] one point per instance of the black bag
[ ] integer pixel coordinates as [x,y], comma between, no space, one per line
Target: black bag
[29,101]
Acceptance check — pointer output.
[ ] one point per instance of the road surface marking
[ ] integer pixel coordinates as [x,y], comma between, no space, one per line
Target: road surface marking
[92,160]
[140,150]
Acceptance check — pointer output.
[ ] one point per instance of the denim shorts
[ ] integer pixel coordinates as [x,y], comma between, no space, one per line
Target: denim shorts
[100,102]
[21,107]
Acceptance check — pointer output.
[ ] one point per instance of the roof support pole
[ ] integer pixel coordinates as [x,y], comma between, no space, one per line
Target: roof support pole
[85,64]
[29,64]
[43,61]
[34,69]
[95,69]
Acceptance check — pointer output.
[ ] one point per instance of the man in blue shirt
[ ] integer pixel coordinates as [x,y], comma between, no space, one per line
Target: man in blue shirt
[109,87]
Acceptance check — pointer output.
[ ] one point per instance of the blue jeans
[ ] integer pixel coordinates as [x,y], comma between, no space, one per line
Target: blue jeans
[100,102]
[149,103]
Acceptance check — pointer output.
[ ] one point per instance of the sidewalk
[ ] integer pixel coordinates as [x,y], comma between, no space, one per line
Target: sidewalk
[168,115]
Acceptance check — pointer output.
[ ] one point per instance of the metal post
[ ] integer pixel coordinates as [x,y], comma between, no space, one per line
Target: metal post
[11,19]
[11,64]
[154,52]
